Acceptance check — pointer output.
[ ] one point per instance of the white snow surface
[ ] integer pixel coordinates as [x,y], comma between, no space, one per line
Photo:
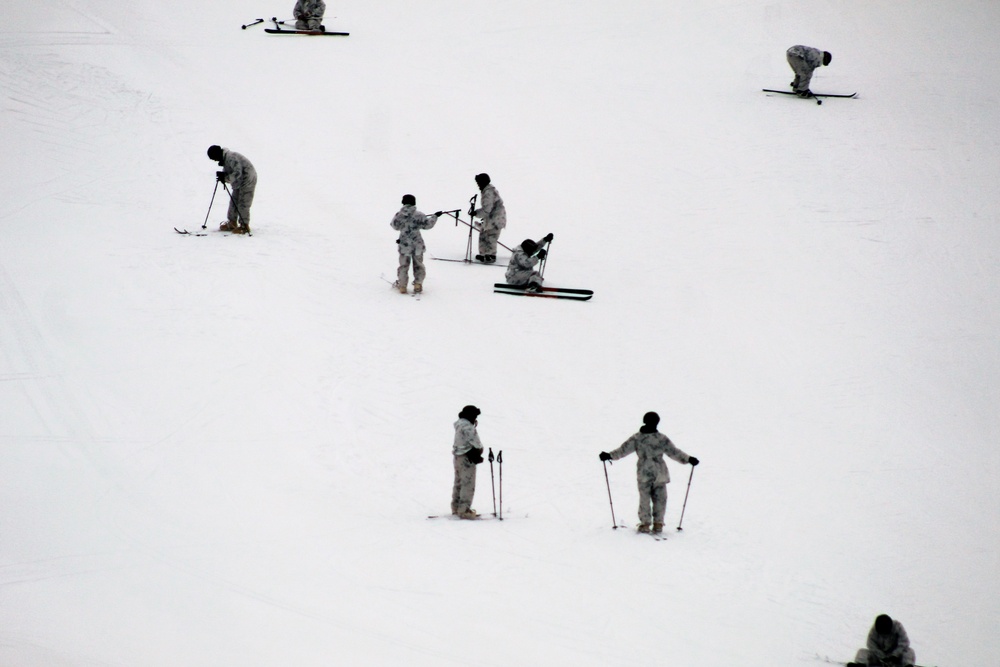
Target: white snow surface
[223,450]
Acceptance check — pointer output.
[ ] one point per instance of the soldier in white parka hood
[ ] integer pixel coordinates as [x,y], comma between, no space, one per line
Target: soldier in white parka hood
[408,222]
[804,60]
[652,475]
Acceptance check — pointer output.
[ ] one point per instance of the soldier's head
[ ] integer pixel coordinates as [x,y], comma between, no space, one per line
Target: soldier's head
[529,246]
[883,624]
[649,422]
[482,180]
[827,57]
[469,413]
[215,153]
[409,200]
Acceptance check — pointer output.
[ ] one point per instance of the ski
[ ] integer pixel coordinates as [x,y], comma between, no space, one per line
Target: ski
[789,92]
[659,537]
[826,659]
[273,31]
[549,292]
[467,261]
[204,233]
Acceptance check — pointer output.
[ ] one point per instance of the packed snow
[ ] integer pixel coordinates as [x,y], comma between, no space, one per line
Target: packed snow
[223,450]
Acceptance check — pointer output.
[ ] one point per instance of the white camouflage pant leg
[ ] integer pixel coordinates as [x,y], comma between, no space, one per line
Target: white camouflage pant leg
[465,485]
[659,496]
[803,72]
[403,272]
[488,239]
[419,270]
[646,491]
[239,203]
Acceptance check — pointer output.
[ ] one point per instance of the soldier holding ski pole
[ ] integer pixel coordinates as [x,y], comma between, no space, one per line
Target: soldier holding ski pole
[652,475]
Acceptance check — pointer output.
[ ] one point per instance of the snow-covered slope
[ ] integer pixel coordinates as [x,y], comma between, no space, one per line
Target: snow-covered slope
[222,450]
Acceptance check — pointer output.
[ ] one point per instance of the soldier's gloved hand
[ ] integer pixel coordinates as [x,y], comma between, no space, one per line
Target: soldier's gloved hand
[541,254]
[220,176]
[548,238]
[604,456]
[438,214]
[693,461]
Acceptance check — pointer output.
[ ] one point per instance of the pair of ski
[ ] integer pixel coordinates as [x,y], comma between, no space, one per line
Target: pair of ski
[467,261]
[203,233]
[811,96]
[544,292]
[277,30]
[838,662]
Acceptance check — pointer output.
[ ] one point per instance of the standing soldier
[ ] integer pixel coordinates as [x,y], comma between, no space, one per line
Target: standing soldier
[803,60]
[521,270]
[309,14]
[238,172]
[651,471]
[408,222]
[468,453]
[494,219]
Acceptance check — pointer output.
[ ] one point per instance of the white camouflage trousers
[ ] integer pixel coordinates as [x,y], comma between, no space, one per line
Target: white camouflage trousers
[403,273]
[465,485]
[654,495]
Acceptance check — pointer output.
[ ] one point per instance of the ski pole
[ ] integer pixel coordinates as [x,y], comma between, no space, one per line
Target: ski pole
[239,214]
[685,499]
[472,217]
[614,521]
[500,463]
[492,487]
[209,212]
[545,260]
[244,27]
[468,248]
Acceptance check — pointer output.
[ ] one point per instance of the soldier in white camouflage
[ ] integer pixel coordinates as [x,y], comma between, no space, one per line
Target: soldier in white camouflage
[238,172]
[887,646]
[467,453]
[309,14]
[494,218]
[408,222]
[804,60]
[652,475]
[521,269]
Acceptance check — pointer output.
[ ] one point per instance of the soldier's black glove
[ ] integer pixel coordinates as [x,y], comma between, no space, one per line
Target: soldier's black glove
[220,176]
[547,238]
[541,254]
[438,214]
[605,456]
[693,461]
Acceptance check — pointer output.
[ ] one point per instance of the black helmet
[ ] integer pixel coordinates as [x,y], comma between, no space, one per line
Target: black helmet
[651,419]
[827,57]
[482,180]
[409,200]
[215,153]
[470,413]
[529,246]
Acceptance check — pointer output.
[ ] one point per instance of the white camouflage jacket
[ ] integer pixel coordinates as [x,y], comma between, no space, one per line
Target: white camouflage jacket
[650,468]
[238,170]
[466,438]
[408,222]
[492,211]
